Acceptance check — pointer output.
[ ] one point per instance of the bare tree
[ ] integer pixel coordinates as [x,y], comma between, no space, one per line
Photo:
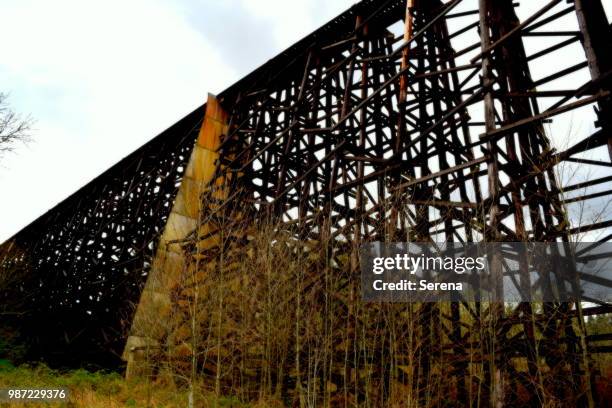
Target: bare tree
[14,128]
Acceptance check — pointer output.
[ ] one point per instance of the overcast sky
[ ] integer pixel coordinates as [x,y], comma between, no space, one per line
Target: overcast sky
[103,78]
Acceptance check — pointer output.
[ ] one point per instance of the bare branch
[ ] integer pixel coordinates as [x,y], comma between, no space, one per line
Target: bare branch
[14,128]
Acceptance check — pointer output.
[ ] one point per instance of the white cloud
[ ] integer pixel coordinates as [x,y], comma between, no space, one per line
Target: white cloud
[101,79]
[292,20]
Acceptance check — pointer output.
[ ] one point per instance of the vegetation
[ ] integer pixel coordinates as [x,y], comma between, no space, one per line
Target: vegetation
[286,327]
[263,315]
[261,318]
[105,389]
[14,128]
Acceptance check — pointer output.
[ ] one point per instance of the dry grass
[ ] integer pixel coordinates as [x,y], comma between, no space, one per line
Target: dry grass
[109,390]
[266,316]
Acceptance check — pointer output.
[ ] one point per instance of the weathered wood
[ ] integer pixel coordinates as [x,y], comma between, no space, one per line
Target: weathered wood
[357,133]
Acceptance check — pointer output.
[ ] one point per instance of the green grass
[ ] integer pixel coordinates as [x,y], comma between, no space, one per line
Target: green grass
[108,389]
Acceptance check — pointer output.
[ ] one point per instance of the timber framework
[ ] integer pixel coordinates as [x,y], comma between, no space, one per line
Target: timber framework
[397,120]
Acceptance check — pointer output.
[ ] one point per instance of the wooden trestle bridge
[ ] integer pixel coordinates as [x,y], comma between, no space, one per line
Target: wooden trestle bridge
[397,119]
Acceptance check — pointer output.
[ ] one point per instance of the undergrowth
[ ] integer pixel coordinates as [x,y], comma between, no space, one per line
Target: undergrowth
[103,389]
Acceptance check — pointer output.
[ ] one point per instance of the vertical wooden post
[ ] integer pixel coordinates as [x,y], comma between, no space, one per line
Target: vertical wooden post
[496,397]
[401,132]
[408,28]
